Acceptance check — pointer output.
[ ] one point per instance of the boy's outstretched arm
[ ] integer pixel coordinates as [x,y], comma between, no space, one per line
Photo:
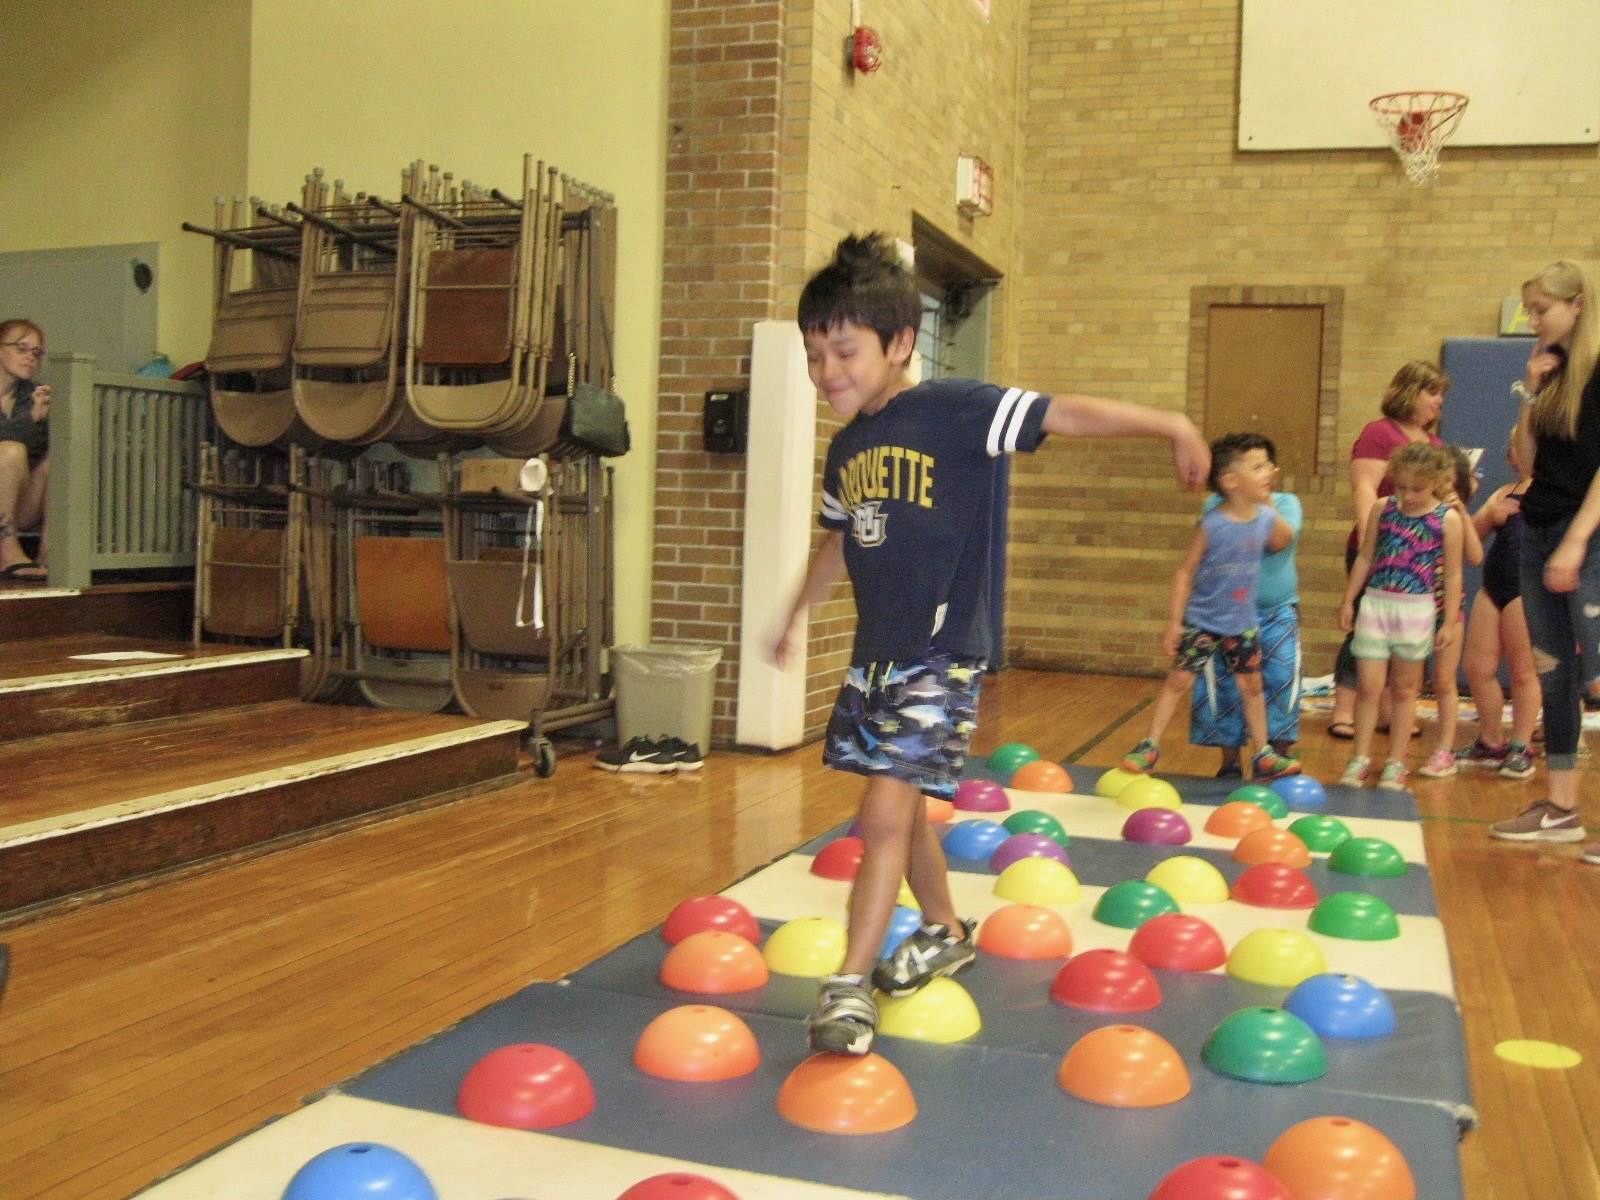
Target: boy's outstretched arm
[1182,585]
[1090,416]
[826,569]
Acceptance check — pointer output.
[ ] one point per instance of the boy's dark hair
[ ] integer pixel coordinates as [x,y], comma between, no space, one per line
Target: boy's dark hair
[1230,448]
[866,284]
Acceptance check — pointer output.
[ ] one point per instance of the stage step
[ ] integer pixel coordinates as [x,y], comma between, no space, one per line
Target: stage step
[53,685]
[164,611]
[82,810]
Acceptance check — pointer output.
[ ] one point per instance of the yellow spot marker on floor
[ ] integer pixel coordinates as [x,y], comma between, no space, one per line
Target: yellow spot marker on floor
[1546,1055]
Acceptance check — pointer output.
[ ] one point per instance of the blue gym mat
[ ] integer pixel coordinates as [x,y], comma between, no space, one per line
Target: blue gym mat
[991,1122]
[1423,1061]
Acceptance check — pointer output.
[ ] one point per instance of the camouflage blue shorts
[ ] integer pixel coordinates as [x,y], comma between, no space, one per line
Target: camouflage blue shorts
[909,721]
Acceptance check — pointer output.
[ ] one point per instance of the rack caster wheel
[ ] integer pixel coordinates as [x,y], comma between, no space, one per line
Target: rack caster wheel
[544,757]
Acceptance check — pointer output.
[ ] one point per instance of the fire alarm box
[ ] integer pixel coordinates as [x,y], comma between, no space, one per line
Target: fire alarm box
[727,421]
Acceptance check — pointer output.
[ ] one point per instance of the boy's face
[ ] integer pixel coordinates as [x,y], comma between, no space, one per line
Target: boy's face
[1250,476]
[851,369]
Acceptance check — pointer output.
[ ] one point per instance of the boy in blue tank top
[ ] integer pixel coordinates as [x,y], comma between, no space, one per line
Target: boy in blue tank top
[1214,599]
[906,505]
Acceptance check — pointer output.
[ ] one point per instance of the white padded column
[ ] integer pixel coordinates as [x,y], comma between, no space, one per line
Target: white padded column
[779,516]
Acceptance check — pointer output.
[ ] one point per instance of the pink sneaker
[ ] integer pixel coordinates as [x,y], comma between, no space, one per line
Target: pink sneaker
[1441,764]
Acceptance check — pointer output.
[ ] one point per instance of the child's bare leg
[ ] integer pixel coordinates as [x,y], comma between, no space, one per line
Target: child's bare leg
[1518,648]
[1482,659]
[1448,694]
[887,813]
[1405,680]
[1254,703]
[929,874]
[1372,676]
[1174,691]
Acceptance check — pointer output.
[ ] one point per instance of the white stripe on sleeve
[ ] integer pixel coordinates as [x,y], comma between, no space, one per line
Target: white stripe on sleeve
[832,509]
[1018,414]
[1002,413]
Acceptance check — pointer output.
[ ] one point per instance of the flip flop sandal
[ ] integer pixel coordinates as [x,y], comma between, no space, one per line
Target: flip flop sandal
[18,572]
[1345,731]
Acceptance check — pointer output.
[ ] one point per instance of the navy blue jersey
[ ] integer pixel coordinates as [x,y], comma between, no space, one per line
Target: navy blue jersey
[912,490]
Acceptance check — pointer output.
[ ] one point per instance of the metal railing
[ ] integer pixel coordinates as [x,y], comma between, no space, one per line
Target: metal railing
[121,448]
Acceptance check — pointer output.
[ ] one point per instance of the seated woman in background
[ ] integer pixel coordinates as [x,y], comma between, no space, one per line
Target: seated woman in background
[24,448]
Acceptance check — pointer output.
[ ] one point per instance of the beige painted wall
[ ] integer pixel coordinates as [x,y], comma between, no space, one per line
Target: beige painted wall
[117,130]
[362,88]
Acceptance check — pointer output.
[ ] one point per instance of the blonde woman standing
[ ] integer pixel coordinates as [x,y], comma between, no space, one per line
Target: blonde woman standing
[1558,434]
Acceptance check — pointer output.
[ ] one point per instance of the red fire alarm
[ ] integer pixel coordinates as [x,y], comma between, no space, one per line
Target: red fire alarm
[866,49]
[863,49]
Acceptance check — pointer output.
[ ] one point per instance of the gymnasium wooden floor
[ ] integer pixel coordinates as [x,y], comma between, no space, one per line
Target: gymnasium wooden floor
[143,1029]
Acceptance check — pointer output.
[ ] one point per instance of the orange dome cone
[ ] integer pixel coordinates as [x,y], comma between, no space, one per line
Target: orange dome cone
[713,963]
[1272,845]
[697,1043]
[1237,818]
[939,811]
[1339,1158]
[1027,931]
[1041,776]
[836,1093]
[1124,1066]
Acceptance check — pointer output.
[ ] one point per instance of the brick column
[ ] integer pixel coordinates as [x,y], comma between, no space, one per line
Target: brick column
[719,276]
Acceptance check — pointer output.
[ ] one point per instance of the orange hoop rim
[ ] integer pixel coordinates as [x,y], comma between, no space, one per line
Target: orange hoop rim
[1386,104]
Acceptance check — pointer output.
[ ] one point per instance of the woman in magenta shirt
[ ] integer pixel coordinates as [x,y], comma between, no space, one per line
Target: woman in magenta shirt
[1411,406]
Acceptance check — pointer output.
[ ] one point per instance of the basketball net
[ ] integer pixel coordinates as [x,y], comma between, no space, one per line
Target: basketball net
[1418,124]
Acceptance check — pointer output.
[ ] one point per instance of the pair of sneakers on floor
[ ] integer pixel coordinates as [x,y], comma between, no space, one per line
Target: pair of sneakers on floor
[845,1020]
[1392,778]
[1511,760]
[1266,766]
[652,756]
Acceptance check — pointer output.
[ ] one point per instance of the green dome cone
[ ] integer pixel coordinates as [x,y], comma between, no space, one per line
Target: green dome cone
[1262,797]
[1355,916]
[1265,1045]
[1321,834]
[1373,858]
[1031,820]
[1004,760]
[1131,903]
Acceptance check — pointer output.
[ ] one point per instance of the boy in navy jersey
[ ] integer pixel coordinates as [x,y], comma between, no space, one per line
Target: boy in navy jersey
[906,499]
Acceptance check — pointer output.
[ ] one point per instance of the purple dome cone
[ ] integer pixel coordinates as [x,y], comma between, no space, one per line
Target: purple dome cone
[1027,845]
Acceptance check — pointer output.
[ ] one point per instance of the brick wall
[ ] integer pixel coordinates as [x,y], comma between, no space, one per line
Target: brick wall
[1133,196]
[718,278]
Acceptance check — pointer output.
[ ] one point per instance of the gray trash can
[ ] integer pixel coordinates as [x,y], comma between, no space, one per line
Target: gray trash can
[665,688]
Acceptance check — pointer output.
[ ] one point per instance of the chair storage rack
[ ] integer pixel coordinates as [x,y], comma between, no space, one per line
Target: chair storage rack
[450,318]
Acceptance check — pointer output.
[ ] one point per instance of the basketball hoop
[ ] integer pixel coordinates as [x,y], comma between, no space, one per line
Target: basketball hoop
[1418,124]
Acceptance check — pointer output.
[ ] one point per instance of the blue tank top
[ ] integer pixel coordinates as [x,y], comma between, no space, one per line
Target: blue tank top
[1222,599]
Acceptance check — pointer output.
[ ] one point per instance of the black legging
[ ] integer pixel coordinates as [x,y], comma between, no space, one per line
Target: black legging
[1344,666]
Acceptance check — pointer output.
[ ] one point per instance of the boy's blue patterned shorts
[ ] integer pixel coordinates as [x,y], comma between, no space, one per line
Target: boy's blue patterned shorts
[909,721]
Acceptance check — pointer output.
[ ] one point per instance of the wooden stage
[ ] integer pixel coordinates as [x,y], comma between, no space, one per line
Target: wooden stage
[144,1028]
